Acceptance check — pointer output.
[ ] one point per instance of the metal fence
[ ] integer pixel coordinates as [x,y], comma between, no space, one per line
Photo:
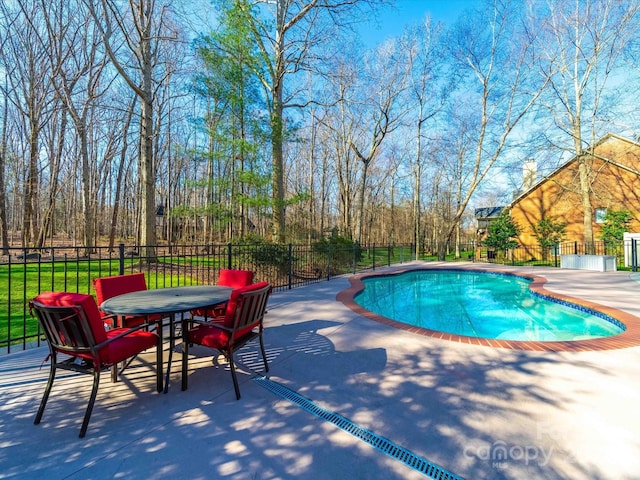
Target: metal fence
[24,273]
[626,254]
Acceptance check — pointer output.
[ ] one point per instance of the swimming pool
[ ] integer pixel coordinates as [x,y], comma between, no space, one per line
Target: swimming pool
[481,305]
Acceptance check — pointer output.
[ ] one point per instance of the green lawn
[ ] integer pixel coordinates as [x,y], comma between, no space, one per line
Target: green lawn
[24,281]
[19,282]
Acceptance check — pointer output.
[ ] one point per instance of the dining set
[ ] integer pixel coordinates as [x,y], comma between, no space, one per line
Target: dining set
[90,334]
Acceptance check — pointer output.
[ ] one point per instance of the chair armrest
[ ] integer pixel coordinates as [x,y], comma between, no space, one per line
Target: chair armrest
[208,323]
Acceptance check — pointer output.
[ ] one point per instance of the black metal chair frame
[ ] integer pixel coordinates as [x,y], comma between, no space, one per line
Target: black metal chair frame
[69,324]
[250,309]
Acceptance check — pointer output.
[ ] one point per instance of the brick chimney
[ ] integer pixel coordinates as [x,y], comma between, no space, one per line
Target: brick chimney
[529,174]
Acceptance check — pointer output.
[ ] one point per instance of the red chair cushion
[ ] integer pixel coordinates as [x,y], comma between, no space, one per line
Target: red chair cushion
[127,346]
[209,336]
[213,337]
[88,304]
[113,352]
[233,301]
[108,287]
[226,278]
[235,278]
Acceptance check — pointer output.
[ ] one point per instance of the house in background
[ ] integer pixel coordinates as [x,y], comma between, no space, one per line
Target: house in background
[614,164]
[484,216]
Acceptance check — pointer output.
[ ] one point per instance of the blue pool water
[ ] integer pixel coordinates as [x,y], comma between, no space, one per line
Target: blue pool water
[479,304]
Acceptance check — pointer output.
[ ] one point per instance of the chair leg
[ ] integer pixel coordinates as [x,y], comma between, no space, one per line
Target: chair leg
[92,399]
[264,355]
[47,390]
[185,362]
[233,374]
[115,372]
[172,345]
[159,359]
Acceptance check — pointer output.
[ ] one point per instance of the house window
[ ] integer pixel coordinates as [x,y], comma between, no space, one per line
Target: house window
[600,214]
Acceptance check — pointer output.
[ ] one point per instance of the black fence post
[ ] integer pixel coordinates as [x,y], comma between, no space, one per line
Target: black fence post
[121,259]
[229,256]
[290,273]
[373,257]
[355,248]
[64,270]
[634,255]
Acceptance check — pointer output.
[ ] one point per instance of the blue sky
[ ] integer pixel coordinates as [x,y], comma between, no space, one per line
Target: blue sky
[392,20]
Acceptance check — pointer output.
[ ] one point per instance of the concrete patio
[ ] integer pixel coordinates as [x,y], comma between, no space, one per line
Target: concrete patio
[477,412]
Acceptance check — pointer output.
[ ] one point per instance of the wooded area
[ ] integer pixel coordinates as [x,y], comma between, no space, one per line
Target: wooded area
[151,121]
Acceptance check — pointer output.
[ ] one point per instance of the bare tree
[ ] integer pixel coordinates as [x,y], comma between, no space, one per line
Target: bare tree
[321,181]
[121,167]
[492,55]
[5,24]
[138,31]
[428,91]
[376,109]
[339,130]
[301,27]
[580,46]
[29,93]
[77,67]
[4,230]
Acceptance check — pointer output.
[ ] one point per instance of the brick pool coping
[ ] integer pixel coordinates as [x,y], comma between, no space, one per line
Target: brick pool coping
[629,338]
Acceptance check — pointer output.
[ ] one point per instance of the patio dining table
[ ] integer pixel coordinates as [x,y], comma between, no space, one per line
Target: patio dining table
[168,303]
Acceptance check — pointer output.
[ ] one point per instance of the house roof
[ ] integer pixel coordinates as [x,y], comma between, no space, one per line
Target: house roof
[600,142]
[488,212]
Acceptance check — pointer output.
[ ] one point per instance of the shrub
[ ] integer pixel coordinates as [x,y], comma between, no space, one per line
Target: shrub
[342,252]
[549,232]
[501,232]
[264,253]
[616,222]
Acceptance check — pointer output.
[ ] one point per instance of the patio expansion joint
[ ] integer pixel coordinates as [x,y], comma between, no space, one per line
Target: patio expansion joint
[381,444]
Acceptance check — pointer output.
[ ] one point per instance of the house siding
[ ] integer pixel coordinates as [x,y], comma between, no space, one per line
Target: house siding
[615,180]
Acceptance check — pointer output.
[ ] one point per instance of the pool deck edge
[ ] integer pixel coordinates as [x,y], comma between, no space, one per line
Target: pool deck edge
[630,337]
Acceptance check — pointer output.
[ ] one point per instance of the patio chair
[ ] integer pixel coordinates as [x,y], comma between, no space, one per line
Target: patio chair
[227,278]
[73,326]
[108,287]
[242,322]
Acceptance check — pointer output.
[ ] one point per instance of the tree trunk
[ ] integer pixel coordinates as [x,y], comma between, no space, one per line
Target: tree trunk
[4,230]
[277,128]
[585,195]
[119,177]
[31,187]
[363,191]
[417,173]
[48,222]
[147,168]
